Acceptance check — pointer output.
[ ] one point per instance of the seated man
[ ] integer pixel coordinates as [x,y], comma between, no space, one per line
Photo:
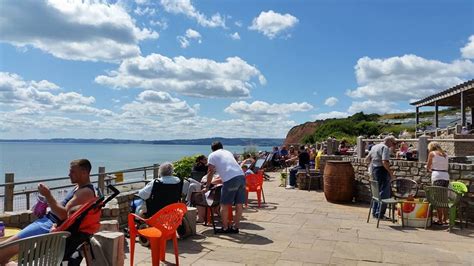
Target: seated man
[303,160]
[165,176]
[83,192]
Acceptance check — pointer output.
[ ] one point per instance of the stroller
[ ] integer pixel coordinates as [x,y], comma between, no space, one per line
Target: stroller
[82,224]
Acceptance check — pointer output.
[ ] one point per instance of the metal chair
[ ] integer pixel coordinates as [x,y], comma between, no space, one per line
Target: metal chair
[442,197]
[402,188]
[391,202]
[47,249]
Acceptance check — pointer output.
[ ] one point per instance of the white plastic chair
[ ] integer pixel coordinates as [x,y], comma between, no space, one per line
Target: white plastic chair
[46,250]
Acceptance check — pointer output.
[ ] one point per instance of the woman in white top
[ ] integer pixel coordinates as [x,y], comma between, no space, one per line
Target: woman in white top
[438,165]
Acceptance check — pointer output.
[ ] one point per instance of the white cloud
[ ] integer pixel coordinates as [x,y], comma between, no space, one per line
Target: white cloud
[158,104]
[29,98]
[235,36]
[144,11]
[238,23]
[183,41]
[371,106]
[74,30]
[185,7]
[260,109]
[190,34]
[331,101]
[407,77]
[273,24]
[332,114]
[468,50]
[188,76]
[162,23]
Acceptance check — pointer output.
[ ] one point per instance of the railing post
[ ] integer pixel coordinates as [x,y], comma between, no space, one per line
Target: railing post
[360,147]
[458,129]
[27,194]
[9,189]
[422,148]
[155,171]
[101,179]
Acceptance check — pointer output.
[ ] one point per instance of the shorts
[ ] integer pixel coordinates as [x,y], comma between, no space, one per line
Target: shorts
[233,191]
[38,227]
[441,183]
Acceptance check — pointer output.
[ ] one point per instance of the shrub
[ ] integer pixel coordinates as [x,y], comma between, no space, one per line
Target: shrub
[184,166]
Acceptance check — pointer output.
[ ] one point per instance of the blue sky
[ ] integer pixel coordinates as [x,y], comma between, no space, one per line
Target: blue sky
[167,69]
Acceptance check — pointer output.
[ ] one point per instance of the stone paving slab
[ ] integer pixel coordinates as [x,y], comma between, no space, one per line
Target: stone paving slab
[299,227]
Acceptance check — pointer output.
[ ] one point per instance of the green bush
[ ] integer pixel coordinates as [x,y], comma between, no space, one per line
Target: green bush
[184,166]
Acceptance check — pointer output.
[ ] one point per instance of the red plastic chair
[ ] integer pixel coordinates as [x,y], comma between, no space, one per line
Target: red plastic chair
[162,227]
[254,183]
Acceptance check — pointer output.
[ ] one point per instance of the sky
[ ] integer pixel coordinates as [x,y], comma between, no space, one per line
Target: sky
[164,69]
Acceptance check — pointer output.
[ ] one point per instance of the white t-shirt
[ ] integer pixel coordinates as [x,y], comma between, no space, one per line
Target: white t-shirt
[225,164]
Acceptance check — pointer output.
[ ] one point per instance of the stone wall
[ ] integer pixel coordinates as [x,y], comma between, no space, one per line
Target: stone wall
[457,149]
[401,168]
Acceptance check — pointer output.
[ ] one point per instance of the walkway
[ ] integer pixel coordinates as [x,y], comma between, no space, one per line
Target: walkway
[301,228]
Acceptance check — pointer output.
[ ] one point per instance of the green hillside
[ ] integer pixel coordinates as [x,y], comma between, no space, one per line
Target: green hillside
[350,128]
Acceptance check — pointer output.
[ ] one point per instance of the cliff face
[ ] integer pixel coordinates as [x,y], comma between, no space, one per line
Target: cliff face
[296,134]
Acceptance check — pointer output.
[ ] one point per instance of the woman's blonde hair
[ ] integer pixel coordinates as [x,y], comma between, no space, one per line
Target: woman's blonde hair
[435,146]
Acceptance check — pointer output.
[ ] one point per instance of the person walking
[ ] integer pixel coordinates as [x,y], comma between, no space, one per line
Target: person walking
[223,163]
[378,159]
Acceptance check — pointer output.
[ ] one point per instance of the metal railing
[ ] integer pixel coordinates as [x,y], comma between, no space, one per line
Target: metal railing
[18,196]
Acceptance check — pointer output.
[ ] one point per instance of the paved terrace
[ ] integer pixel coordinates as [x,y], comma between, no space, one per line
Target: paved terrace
[301,228]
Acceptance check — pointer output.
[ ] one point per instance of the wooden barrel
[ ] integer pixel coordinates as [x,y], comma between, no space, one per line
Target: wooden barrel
[338,181]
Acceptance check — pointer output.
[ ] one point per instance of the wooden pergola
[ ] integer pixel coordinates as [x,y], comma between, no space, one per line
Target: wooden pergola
[460,96]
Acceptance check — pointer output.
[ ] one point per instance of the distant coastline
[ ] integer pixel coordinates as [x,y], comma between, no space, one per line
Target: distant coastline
[203,141]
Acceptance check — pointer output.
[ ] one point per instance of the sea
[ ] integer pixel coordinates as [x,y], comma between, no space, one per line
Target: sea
[36,160]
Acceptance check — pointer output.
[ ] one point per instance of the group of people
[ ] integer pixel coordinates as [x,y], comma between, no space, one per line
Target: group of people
[379,166]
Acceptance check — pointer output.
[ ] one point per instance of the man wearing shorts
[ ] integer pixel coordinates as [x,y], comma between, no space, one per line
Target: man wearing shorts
[223,163]
[83,192]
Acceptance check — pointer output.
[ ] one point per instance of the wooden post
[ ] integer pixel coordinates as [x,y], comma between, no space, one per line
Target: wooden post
[436,124]
[9,189]
[360,147]
[472,117]
[417,117]
[463,109]
[155,170]
[101,179]
[423,148]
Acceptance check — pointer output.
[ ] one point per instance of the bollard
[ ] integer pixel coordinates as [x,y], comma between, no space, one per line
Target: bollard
[360,147]
[9,189]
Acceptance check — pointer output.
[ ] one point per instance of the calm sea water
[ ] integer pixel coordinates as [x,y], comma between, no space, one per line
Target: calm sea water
[42,160]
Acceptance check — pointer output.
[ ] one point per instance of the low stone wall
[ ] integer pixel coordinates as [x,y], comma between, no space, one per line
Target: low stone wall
[405,169]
